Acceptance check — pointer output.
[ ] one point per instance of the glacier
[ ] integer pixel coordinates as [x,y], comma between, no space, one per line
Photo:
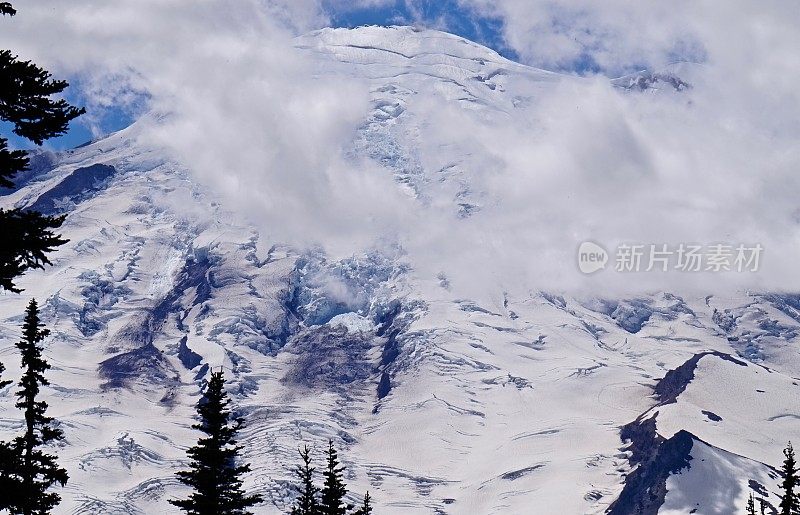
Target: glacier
[503,402]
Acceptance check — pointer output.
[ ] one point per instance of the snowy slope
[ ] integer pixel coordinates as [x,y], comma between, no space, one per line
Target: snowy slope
[497,403]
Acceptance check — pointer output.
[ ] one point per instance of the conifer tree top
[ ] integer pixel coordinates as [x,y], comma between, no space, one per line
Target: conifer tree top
[334,489]
[36,471]
[307,503]
[215,472]
[790,503]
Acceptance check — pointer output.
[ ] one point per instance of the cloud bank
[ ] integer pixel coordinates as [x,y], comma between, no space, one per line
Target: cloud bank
[240,106]
[253,117]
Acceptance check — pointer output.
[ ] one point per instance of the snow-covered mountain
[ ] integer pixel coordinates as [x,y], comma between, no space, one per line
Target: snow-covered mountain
[497,403]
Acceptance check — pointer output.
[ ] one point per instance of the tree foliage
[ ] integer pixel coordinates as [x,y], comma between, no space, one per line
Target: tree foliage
[28,237]
[366,506]
[307,503]
[331,498]
[30,472]
[334,489]
[751,505]
[7,458]
[214,473]
[26,103]
[789,504]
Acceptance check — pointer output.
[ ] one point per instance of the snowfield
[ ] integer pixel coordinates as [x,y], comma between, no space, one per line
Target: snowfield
[497,403]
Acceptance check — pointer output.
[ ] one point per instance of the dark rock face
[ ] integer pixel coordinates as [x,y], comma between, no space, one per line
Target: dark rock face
[329,357]
[388,330]
[384,386]
[516,474]
[758,488]
[202,372]
[120,369]
[675,381]
[73,188]
[641,433]
[188,357]
[143,359]
[40,162]
[655,457]
[195,274]
[646,487]
[389,326]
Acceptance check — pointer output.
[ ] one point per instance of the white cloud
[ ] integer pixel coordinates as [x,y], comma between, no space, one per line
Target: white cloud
[588,162]
[252,117]
[246,112]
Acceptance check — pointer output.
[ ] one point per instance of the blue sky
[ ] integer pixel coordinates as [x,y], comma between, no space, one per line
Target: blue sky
[449,15]
[108,120]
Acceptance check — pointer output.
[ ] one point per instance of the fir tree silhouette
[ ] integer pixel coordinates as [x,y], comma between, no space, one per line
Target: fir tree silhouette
[27,106]
[751,505]
[214,472]
[307,503]
[3,382]
[333,489]
[366,506]
[7,461]
[34,471]
[789,503]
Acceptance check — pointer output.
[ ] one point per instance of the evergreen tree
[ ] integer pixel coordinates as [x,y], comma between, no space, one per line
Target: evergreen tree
[366,506]
[789,502]
[27,106]
[751,505]
[3,383]
[8,480]
[7,462]
[214,473]
[307,503]
[35,471]
[28,237]
[334,489]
